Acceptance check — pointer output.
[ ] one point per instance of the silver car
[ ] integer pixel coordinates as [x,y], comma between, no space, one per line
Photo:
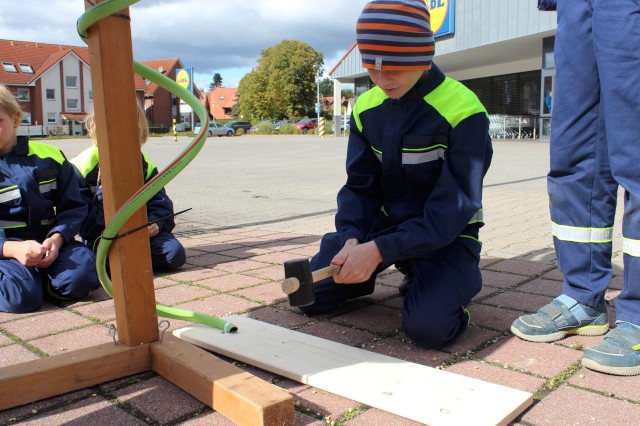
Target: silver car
[215,129]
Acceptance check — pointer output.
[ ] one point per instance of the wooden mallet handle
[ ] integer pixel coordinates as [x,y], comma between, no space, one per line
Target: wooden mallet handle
[292,284]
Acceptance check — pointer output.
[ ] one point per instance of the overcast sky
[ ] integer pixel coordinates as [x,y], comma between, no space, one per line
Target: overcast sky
[223,36]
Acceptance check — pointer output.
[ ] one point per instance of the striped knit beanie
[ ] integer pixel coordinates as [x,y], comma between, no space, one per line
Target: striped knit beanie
[395,35]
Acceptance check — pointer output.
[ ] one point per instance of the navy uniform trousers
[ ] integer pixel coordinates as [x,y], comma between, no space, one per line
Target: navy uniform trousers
[72,275]
[595,148]
[434,309]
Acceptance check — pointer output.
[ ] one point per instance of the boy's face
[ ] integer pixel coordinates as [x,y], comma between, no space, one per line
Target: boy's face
[8,131]
[395,84]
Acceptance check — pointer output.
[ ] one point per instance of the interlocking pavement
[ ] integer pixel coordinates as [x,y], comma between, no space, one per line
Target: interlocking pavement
[260,200]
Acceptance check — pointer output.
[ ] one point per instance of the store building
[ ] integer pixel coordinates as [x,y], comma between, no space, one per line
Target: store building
[500,49]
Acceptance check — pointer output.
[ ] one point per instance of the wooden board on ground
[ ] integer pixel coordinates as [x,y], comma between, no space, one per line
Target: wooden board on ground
[414,391]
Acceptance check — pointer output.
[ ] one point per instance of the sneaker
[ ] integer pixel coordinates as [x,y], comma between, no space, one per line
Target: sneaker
[561,317]
[618,353]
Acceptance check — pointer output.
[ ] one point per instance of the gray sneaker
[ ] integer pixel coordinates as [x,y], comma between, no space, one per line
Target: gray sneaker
[618,353]
[562,317]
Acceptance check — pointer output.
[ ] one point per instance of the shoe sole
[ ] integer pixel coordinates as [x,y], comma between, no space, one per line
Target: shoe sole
[618,371]
[589,330]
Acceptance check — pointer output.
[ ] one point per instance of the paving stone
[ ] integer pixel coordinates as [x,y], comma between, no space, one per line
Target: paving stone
[274,257]
[4,340]
[500,279]
[212,260]
[73,340]
[266,293]
[570,406]
[15,354]
[231,282]
[45,324]
[220,305]
[625,387]
[521,267]
[103,311]
[373,318]
[208,418]
[244,252]
[159,399]
[180,293]
[305,251]
[493,317]
[238,266]
[472,338]
[553,274]
[485,291]
[542,286]
[337,333]
[408,351]
[196,274]
[161,282]
[543,359]
[272,272]
[90,411]
[322,403]
[499,376]
[280,317]
[27,411]
[519,301]
[375,417]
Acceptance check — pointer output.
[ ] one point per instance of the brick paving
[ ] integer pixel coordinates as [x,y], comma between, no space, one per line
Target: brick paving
[235,255]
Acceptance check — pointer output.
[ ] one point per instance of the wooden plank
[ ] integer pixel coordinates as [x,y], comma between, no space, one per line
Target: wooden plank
[238,395]
[111,58]
[43,378]
[414,391]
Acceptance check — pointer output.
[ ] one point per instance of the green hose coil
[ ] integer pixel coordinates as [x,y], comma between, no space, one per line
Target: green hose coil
[140,198]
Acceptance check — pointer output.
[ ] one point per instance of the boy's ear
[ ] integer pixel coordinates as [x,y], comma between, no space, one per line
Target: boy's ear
[16,120]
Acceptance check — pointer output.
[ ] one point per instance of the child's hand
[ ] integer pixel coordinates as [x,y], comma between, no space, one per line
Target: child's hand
[358,262]
[52,246]
[29,252]
[154,229]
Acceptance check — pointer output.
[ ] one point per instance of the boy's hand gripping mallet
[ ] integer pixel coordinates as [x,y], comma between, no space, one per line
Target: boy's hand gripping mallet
[298,282]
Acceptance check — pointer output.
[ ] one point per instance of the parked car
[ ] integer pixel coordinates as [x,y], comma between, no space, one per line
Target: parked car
[274,123]
[215,129]
[235,125]
[307,124]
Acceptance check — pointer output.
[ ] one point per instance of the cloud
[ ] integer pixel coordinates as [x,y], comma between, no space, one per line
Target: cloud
[211,36]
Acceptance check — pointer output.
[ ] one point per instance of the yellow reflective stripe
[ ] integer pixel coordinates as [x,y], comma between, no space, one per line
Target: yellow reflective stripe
[478,217]
[87,160]
[422,157]
[9,224]
[9,194]
[369,99]
[470,237]
[48,186]
[582,235]
[631,247]
[150,167]
[454,101]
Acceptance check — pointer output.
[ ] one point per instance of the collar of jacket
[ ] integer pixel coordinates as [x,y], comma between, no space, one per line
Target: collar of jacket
[425,84]
[22,146]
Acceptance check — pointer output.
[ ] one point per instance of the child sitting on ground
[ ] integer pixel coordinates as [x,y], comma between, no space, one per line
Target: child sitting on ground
[167,254]
[41,210]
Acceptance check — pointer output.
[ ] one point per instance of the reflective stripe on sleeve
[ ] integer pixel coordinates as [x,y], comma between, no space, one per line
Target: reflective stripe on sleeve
[9,224]
[10,194]
[478,217]
[411,157]
[582,235]
[48,186]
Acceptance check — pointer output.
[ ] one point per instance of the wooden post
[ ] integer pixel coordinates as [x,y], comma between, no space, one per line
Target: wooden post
[111,60]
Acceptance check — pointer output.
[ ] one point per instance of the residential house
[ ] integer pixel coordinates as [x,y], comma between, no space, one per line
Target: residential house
[220,102]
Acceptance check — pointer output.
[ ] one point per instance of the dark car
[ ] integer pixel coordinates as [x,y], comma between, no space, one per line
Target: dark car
[307,124]
[235,125]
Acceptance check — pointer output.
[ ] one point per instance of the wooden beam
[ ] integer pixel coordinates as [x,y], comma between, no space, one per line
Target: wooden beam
[238,395]
[111,58]
[43,378]
[417,392]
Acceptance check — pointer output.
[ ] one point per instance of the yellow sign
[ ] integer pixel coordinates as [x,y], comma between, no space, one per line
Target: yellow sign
[182,78]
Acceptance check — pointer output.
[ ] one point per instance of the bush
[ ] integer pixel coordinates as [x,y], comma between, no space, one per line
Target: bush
[289,129]
[240,131]
[265,129]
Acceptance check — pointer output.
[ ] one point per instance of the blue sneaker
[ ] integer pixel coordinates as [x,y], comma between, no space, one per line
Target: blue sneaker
[561,317]
[618,353]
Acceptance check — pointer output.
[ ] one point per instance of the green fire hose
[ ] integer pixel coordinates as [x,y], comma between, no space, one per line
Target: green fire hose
[140,198]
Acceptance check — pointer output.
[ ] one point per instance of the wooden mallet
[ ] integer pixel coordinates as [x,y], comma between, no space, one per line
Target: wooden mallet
[298,282]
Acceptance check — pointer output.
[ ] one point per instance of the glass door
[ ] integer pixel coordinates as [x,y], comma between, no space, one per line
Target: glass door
[546,102]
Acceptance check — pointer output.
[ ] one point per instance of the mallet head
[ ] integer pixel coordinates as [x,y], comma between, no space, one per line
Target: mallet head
[298,282]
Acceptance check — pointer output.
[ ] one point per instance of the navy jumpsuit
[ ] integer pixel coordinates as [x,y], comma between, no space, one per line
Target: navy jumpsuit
[595,148]
[39,196]
[167,254]
[415,167]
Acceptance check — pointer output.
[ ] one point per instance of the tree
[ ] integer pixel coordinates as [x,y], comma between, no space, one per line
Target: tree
[216,82]
[326,87]
[347,93]
[283,85]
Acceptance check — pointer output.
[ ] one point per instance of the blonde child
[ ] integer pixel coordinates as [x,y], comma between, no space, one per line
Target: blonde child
[40,212]
[167,254]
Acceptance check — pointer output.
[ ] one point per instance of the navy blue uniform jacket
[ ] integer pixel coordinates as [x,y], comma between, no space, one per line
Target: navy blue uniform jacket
[415,167]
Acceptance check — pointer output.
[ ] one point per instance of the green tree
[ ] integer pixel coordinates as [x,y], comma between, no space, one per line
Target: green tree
[326,87]
[216,82]
[347,93]
[283,84]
